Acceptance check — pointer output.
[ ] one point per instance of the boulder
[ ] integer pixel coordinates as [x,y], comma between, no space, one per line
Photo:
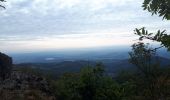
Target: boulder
[5,66]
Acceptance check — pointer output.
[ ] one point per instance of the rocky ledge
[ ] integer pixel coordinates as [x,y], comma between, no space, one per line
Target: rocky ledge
[22,86]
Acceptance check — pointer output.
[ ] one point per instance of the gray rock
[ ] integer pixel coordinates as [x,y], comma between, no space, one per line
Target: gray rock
[5,66]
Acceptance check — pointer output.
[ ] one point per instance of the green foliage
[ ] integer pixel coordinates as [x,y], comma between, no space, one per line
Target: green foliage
[35,71]
[159,36]
[161,7]
[1,6]
[90,84]
[29,70]
[153,81]
[143,57]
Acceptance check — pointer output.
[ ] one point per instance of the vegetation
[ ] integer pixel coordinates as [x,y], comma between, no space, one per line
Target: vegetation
[160,36]
[150,81]
[161,7]
[1,6]
[89,84]
[153,81]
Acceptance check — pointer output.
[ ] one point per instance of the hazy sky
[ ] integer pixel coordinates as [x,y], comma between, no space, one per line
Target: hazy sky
[32,25]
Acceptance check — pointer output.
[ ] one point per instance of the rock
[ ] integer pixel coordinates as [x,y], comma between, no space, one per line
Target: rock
[5,66]
[25,86]
[17,85]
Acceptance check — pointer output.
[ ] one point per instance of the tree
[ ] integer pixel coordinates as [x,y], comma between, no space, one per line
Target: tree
[2,5]
[90,84]
[161,7]
[159,36]
[143,57]
[152,79]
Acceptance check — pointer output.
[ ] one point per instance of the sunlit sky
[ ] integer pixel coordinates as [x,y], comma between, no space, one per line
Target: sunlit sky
[33,25]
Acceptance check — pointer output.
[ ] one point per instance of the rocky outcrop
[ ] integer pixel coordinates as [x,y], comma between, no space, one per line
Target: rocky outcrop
[25,86]
[5,66]
[17,85]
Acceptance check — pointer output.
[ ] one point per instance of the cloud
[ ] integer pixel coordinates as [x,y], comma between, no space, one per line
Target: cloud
[67,16]
[63,42]
[46,7]
[39,20]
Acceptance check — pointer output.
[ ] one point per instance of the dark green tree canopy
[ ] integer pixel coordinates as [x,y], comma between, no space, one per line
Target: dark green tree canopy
[161,7]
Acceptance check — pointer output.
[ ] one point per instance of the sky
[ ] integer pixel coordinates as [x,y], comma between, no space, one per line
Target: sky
[37,25]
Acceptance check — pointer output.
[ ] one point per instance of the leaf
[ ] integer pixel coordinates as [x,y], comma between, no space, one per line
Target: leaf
[141,38]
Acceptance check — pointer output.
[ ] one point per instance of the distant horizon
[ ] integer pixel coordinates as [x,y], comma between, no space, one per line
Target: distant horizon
[85,49]
[109,52]
[82,49]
